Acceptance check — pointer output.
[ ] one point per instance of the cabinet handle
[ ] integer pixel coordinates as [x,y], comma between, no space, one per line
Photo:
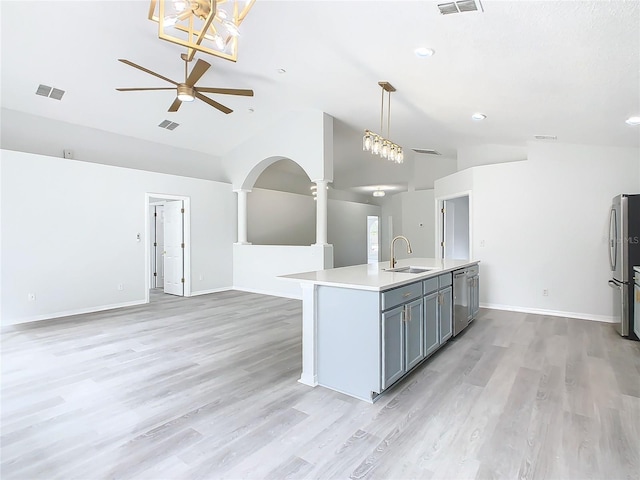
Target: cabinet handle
[408,312]
[406,295]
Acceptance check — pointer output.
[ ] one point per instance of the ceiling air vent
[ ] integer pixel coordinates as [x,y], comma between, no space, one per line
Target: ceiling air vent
[426,151]
[169,125]
[46,91]
[460,6]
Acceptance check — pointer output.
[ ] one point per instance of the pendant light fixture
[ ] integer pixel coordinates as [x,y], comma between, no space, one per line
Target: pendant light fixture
[377,144]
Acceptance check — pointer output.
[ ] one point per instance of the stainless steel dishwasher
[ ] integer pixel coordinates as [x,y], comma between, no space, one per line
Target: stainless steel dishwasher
[460,301]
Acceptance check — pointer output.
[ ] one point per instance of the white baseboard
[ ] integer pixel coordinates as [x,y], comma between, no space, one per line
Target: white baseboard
[265,292]
[213,290]
[68,313]
[310,380]
[552,313]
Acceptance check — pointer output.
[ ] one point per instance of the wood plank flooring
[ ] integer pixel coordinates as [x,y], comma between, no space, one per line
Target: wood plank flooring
[206,388]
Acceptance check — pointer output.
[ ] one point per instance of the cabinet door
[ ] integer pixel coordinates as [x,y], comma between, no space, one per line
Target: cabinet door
[431,329]
[392,346]
[445,314]
[413,334]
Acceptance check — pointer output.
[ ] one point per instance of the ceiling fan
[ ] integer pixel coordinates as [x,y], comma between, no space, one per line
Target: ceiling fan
[187,90]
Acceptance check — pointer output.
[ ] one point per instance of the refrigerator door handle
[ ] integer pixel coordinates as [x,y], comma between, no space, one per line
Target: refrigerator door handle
[613,240]
[614,284]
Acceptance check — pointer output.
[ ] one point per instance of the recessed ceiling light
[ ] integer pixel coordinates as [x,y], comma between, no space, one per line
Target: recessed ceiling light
[633,121]
[251,110]
[545,137]
[423,52]
[379,193]
[282,70]
[478,116]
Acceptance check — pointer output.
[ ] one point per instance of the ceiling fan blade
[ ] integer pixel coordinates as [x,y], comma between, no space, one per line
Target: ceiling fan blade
[197,72]
[226,91]
[138,89]
[213,103]
[146,70]
[175,105]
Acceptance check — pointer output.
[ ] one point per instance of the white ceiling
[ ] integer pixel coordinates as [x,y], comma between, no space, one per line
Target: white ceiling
[564,68]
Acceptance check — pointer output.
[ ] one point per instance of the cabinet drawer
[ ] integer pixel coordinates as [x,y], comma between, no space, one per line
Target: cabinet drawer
[471,271]
[430,285]
[399,295]
[445,280]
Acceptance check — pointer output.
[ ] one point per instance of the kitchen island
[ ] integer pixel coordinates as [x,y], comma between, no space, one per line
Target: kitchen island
[365,326]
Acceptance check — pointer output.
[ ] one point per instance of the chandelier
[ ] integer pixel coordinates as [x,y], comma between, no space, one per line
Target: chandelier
[377,144]
[209,26]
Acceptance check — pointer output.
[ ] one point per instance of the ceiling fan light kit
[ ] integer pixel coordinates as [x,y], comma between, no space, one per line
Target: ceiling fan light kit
[208,26]
[187,90]
[377,144]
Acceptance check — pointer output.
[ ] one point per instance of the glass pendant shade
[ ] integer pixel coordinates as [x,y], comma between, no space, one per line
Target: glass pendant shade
[375,148]
[392,153]
[385,149]
[366,142]
[400,156]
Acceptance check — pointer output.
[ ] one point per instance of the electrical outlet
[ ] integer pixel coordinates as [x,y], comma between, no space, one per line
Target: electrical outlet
[545,293]
[482,243]
[31,297]
[120,286]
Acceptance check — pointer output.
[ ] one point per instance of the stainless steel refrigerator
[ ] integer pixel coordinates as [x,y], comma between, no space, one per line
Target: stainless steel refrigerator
[624,254]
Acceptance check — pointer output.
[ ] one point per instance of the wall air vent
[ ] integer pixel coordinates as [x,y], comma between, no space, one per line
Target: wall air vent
[46,91]
[545,137]
[169,125]
[426,151]
[460,7]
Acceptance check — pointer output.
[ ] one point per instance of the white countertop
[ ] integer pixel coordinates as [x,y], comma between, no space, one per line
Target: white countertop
[374,276]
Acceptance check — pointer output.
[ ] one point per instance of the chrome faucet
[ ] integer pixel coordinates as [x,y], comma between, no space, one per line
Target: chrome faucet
[391,255]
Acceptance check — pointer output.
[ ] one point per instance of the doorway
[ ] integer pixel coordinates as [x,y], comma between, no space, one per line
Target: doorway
[455,227]
[167,245]
[373,239]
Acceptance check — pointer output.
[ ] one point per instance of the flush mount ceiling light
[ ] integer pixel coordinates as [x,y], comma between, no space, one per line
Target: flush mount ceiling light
[423,52]
[209,26]
[378,145]
[633,121]
[478,116]
[379,193]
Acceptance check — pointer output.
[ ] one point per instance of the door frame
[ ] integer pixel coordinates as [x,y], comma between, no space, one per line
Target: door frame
[439,231]
[186,202]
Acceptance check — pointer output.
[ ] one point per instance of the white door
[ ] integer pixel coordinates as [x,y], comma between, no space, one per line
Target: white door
[373,239]
[173,248]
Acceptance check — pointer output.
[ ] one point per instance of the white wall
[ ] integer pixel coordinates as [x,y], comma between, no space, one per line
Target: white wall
[304,137]
[347,231]
[418,222]
[280,218]
[544,226]
[29,133]
[473,156]
[256,267]
[69,234]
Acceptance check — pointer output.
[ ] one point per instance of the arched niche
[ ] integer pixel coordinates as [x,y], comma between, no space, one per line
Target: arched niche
[280,207]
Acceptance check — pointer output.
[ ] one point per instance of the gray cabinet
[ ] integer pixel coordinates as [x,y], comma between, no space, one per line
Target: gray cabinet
[393,360]
[402,331]
[445,313]
[413,333]
[432,328]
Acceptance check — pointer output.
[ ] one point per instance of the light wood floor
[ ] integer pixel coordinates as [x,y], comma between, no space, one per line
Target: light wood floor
[206,387]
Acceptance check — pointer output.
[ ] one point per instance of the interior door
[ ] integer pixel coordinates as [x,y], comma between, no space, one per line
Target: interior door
[174,248]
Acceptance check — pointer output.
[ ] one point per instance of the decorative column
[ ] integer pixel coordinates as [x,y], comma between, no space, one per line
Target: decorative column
[242,216]
[321,212]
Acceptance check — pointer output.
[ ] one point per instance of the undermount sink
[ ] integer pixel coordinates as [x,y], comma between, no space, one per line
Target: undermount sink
[410,269]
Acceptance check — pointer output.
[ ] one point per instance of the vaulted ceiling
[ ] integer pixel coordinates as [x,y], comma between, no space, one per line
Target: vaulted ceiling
[570,69]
